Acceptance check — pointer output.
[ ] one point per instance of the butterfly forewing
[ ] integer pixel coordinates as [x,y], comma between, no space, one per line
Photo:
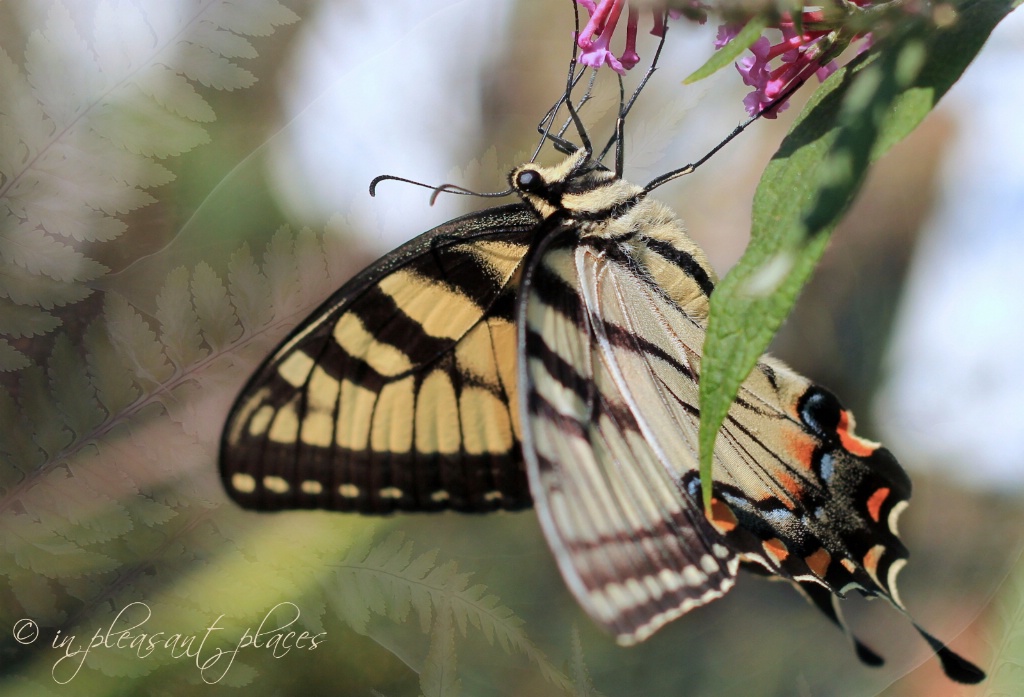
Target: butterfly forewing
[399,392]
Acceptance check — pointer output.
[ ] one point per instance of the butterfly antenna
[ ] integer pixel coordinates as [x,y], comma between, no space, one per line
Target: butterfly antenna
[544,127]
[588,94]
[624,110]
[437,190]
[463,191]
[619,137]
[682,171]
[573,114]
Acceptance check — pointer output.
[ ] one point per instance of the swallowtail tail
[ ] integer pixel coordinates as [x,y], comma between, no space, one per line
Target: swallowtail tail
[548,353]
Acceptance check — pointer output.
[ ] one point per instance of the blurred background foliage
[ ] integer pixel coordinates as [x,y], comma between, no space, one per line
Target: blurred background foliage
[225,224]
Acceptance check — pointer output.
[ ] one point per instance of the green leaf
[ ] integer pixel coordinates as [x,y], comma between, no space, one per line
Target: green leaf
[72,390]
[179,323]
[854,118]
[136,342]
[20,453]
[750,33]
[582,684]
[250,292]
[11,358]
[113,378]
[384,579]
[217,318]
[23,320]
[37,407]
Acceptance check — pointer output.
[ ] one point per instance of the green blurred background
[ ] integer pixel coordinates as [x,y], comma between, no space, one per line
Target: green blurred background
[109,497]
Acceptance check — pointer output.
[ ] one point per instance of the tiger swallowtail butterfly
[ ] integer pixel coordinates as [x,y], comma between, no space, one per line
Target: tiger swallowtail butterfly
[547,353]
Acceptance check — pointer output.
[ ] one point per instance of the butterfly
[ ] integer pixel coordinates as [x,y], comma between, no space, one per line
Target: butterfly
[548,353]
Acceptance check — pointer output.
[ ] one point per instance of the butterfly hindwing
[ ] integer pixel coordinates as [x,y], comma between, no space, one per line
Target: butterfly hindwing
[613,319]
[398,393]
[813,502]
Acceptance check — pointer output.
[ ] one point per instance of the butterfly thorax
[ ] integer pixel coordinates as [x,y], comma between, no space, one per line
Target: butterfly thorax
[578,189]
[615,217]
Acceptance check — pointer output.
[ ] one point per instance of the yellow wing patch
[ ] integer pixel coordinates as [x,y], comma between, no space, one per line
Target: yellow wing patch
[437,423]
[392,426]
[439,311]
[355,340]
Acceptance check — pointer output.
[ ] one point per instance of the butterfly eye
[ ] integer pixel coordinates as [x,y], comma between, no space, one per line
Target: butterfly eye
[820,411]
[529,180]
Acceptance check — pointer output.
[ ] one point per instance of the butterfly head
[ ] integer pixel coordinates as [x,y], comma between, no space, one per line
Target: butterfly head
[577,186]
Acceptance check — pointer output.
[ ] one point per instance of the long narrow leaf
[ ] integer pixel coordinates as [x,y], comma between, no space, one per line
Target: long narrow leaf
[856,116]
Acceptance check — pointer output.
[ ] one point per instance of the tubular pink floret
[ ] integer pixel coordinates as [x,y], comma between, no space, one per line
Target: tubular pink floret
[799,53]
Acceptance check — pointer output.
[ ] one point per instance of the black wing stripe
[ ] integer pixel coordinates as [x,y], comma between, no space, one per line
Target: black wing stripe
[556,293]
[622,338]
[559,369]
[684,260]
[467,272]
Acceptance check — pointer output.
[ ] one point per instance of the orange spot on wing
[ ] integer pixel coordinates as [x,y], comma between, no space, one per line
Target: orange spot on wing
[848,565]
[871,559]
[722,517]
[818,562]
[876,501]
[801,447]
[776,549]
[790,485]
[854,444]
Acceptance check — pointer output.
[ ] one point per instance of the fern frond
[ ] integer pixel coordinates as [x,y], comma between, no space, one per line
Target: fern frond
[34,547]
[385,580]
[439,677]
[179,324]
[11,358]
[22,287]
[36,595]
[80,125]
[45,425]
[74,393]
[217,320]
[112,378]
[17,447]
[582,685]
[250,292]
[1007,672]
[280,267]
[21,320]
[99,473]
[136,342]
[134,364]
[24,245]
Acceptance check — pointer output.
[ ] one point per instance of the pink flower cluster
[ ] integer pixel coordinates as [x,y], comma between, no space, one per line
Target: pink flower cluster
[800,54]
[595,38]
[796,57]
